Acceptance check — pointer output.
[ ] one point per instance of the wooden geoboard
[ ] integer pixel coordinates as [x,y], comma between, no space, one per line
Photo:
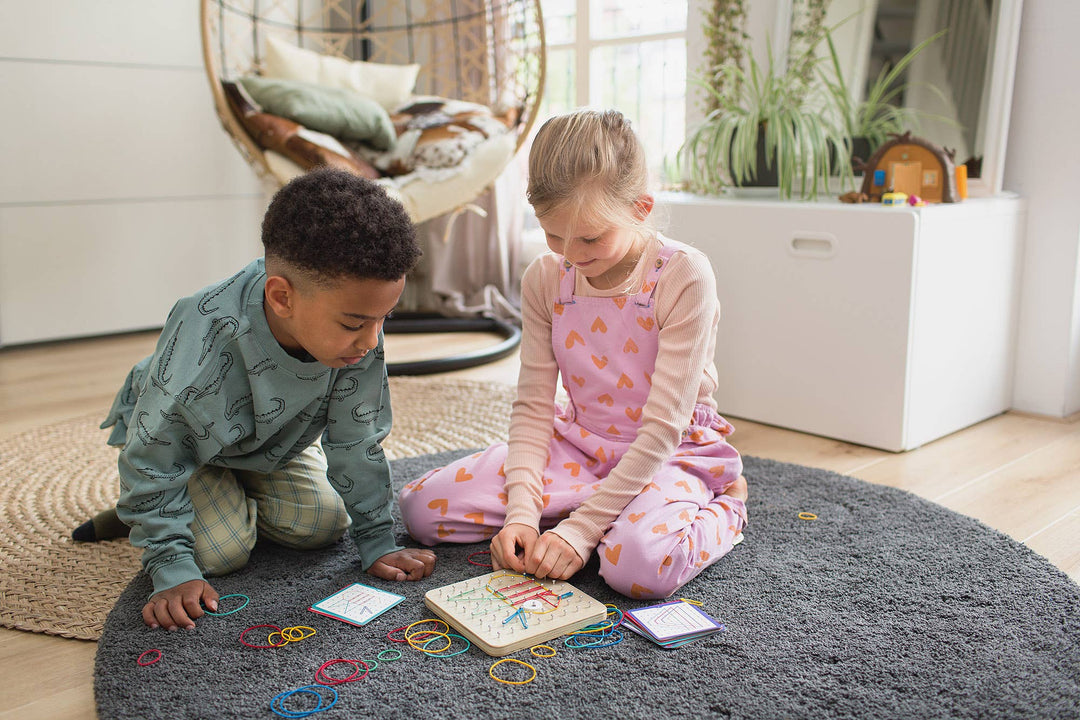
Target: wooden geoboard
[503,612]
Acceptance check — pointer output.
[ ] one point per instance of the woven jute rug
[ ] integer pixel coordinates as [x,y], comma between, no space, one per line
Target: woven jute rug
[54,477]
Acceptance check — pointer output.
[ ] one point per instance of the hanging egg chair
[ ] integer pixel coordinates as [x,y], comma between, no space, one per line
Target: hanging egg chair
[458,81]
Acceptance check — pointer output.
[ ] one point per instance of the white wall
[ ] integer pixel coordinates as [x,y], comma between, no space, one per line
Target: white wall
[119,192]
[1041,165]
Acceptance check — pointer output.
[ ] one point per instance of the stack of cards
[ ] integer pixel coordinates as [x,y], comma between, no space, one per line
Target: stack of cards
[671,624]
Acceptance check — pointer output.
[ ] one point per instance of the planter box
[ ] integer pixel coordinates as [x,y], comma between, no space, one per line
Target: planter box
[881,326]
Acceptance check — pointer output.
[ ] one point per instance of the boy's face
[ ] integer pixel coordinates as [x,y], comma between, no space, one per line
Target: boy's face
[336,324]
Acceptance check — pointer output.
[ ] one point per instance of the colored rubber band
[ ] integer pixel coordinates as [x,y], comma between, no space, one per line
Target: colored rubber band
[491,672]
[260,647]
[479,564]
[444,654]
[582,643]
[230,612]
[278,703]
[296,633]
[807,516]
[323,678]
[389,659]
[693,602]
[422,647]
[139,660]
[534,648]
[390,635]
[417,634]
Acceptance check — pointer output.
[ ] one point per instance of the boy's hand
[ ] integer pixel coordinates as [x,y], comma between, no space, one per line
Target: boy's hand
[179,607]
[552,557]
[407,564]
[509,548]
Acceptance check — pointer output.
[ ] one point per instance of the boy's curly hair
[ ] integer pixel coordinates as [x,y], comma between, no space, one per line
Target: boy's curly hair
[330,224]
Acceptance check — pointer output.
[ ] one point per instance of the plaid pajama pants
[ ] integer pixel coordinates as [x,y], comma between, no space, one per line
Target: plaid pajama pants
[294,506]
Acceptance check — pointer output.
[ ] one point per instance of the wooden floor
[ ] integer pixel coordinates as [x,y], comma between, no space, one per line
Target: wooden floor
[1018,474]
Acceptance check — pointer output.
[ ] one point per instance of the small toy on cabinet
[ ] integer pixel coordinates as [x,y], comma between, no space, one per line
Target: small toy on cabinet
[912,166]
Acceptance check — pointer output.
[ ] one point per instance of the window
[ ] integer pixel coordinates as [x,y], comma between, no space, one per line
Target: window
[629,55]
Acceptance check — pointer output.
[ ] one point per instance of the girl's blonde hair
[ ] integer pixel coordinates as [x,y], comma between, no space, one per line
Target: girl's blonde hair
[591,164]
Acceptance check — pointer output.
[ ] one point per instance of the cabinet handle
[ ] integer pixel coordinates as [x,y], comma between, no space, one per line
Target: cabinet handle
[818,246]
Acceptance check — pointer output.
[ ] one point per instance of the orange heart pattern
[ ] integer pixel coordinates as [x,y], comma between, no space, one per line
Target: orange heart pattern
[599,326]
[439,505]
[463,475]
[599,362]
[612,554]
[573,338]
[476,517]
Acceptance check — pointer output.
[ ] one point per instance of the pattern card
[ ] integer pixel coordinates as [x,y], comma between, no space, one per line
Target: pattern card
[357,604]
[673,623]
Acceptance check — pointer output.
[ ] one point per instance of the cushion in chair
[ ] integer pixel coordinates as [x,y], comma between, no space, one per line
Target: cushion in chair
[341,113]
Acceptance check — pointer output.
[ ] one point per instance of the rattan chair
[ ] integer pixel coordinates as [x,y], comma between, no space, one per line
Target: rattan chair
[489,52]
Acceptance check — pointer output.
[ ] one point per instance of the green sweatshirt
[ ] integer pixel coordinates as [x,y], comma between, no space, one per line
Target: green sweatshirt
[219,390]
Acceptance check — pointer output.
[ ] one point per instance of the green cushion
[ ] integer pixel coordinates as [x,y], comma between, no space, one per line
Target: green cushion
[345,114]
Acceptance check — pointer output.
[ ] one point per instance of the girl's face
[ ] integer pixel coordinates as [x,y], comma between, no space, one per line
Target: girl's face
[604,253]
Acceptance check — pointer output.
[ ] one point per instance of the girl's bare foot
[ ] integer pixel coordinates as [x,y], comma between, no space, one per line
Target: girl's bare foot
[737,489]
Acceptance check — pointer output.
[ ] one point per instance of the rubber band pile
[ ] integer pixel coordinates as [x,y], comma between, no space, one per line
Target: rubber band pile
[287,635]
[598,635]
[420,639]
[430,636]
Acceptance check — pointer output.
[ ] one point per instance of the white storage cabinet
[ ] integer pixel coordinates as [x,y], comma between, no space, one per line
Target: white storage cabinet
[886,327]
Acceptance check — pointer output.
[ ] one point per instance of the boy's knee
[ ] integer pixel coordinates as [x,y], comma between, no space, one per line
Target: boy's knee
[325,534]
[223,560]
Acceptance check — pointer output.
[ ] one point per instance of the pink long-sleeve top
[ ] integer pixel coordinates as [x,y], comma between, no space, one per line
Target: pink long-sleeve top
[687,313]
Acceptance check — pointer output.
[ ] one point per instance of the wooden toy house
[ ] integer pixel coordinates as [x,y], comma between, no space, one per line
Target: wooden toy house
[913,166]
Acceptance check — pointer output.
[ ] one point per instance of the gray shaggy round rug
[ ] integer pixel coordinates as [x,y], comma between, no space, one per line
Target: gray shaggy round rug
[885,606]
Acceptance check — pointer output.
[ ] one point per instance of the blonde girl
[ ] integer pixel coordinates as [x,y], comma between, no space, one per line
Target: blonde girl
[634,465]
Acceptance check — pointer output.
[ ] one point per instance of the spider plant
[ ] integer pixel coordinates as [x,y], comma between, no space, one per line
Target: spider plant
[762,113]
[877,116]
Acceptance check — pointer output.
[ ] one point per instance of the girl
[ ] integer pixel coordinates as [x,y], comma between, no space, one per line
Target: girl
[635,466]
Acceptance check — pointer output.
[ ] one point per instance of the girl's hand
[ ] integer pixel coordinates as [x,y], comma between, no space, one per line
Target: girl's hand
[407,564]
[511,545]
[552,557]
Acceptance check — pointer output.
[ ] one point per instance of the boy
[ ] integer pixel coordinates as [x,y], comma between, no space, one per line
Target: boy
[218,427]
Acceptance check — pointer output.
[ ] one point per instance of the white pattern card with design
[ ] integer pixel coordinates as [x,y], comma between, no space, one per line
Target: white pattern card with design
[357,604]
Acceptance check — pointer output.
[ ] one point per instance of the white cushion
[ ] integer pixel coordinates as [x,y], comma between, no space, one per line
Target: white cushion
[388,85]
